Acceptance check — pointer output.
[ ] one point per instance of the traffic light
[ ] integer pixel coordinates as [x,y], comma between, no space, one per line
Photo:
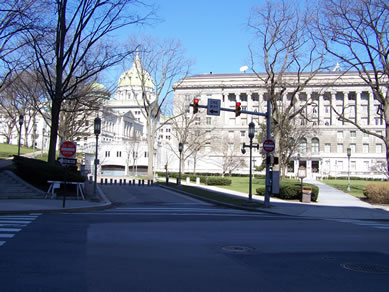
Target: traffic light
[195,105]
[237,109]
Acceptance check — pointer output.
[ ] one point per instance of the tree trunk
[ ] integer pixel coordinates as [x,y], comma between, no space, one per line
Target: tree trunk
[55,110]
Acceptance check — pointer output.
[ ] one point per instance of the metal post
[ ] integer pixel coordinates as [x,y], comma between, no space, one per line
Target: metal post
[43,139]
[180,148]
[20,132]
[268,182]
[251,178]
[97,130]
[348,172]
[96,162]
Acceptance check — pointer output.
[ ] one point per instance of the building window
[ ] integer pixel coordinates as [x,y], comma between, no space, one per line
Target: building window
[107,153]
[365,135]
[353,133]
[315,145]
[353,165]
[366,165]
[340,134]
[365,148]
[119,154]
[327,147]
[242,133]
[353,148]
[340,148]
[303,145]
[209,121]
[378,148]
[146,154]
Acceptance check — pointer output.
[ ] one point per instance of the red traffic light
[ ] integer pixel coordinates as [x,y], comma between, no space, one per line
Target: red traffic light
[195,105]
[237,109]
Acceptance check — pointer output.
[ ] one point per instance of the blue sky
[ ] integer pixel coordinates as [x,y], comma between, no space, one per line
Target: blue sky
[214,32]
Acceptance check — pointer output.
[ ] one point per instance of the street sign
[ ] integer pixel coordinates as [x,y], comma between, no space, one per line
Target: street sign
[213,108]
[67,161]
[67,149]
[269,145]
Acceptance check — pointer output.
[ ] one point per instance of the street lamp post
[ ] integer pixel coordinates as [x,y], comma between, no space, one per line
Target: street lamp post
[180,148]
[348,172]
[97,130]
[33,145]
[43,140]
[251,146]
[20,132]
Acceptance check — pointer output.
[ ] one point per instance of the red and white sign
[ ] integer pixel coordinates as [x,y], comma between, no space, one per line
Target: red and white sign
[269,145]
[68,149]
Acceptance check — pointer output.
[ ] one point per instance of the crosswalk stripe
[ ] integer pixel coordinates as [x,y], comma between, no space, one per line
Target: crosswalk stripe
[11,224]
[373,224]
[10,229]
[15,222]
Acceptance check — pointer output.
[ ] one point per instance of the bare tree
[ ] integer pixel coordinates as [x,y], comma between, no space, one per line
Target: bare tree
[75,46]
[189,130]
[356,33]
[16,17]
[159,64]
[287,51]
[18,97]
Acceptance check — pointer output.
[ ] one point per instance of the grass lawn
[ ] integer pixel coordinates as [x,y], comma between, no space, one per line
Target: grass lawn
[241,184]
[356,186]
[7,150]
[215,196]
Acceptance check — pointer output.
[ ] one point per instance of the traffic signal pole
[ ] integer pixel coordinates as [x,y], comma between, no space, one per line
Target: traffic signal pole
[233,110]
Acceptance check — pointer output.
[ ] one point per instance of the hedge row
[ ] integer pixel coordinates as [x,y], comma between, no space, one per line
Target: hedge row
[38,172]
[354,178]
[206,174]
[377,193]
[209,180]
[290,190]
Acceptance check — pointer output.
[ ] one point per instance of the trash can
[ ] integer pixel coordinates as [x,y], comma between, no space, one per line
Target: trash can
[306,195]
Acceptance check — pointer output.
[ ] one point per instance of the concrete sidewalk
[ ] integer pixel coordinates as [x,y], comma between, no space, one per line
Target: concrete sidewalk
[332,204]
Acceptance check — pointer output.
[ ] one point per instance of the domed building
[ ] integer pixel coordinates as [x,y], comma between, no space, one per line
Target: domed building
[133,84]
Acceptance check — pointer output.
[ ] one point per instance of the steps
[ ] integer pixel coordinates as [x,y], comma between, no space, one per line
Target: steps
[13,187]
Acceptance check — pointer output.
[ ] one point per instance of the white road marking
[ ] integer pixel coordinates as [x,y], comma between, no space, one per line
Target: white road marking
[6,235]
[10,229]
[2,242]
[15,222]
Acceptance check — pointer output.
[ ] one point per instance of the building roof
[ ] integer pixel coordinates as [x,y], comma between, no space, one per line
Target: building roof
[136,76]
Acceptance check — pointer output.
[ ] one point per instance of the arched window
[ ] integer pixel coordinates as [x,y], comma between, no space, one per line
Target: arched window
[315,145]
[303,145]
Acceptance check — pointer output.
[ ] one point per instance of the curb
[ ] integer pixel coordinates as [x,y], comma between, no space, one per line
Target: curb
[106,205]
[221,203]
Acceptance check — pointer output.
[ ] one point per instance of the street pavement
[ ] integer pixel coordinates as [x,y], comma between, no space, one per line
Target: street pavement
[332,203]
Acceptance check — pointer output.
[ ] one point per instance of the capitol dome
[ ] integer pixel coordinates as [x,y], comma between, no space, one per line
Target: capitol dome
[96,89]
[133,77]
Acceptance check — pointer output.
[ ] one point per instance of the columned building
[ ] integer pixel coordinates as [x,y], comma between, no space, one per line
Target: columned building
[324,151]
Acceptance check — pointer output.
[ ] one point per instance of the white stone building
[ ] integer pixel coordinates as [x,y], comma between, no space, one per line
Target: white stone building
[322,154]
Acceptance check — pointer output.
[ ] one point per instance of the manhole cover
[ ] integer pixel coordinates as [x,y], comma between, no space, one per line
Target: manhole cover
[238,248]
[367,268]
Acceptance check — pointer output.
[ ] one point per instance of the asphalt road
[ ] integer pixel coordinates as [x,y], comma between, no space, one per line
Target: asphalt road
[156,240]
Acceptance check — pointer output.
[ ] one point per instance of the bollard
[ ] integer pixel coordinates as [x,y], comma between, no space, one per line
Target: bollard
[106,181]
[148,182]
[152,182]
[188,180]
[143,182]
[110,181]
[197,180]
[129,182]
[120,181]
[124,181]
[139,182]
[101,181]
[90,179]
[133,182]
[115,181]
